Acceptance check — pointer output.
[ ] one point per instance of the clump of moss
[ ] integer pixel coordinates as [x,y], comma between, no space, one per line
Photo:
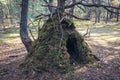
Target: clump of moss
[45,55]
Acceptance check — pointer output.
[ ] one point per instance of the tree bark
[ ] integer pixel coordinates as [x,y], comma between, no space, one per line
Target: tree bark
[23,26]
[117,15]
[61,4]
[71,11]
[99,15]
[51,9]
[98,12]
[107,14]
[2,16]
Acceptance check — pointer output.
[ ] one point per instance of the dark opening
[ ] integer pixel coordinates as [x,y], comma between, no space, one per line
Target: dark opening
[72,48]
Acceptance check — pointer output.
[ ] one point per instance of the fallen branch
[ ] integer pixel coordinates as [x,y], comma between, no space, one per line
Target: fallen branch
[87,32]
[31,34]
[61,30]
[91,5]
[76,17]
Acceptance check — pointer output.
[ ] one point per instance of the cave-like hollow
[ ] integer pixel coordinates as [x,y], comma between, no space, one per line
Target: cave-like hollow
[72,49]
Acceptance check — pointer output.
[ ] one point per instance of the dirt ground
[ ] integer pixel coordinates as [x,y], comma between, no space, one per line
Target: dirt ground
[105,44]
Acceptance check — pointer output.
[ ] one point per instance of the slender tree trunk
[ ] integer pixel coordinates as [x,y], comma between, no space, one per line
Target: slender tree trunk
[71,11]
[107,14]
[51,9]
[2,19]
[11,12]
[96,16]
[9,5]
[99,15]
[23,26]
[111,14]
[117,15]
[95,10]
[1,16]
[33,11]
[61,4]
[88,11]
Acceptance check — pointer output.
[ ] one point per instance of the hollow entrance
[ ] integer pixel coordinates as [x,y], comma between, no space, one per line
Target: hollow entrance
[72,48]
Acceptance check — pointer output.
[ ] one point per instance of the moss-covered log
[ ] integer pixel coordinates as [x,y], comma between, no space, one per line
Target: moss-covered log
[45,56]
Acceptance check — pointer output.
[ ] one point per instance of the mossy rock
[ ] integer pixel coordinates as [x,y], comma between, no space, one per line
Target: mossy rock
[45,55]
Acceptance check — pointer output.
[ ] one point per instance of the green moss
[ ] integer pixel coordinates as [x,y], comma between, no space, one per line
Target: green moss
[3,72]
[63,67]
[61,58]
[55,36]
[40,56]
[46,49]
[90,59]
[40,52]
[45,67]
[42,35]
[64,42]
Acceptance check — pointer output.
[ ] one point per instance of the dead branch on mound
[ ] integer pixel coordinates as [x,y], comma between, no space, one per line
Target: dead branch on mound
[87,32]
[106,7]
[76,17]
[61,30]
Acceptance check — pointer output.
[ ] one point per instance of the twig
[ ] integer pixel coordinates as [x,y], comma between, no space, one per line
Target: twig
[30,29]
[41,16]
[93,5]
[61,29]
[51,16]
[111,11]
[39,23]
[32,22]
[45,1]
[90,5]
[76,17]
[48,5]
[32,34]
[87,32]
[81,8]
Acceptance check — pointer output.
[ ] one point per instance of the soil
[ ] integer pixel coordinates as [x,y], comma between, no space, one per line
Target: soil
[106,49]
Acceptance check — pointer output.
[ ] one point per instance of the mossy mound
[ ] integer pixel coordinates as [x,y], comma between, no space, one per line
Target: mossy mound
[47,56]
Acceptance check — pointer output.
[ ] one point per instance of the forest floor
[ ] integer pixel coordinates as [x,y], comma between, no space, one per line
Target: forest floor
[105,43]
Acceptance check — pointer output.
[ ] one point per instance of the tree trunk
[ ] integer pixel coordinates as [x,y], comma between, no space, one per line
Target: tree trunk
[99,15]
[111,14]
[61,4]
[107,14]
[51,9]
[71,11]
[33,9]
[107,18]
[2,17]
[23,26]
[117,15]
[98,12]
[96,15]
